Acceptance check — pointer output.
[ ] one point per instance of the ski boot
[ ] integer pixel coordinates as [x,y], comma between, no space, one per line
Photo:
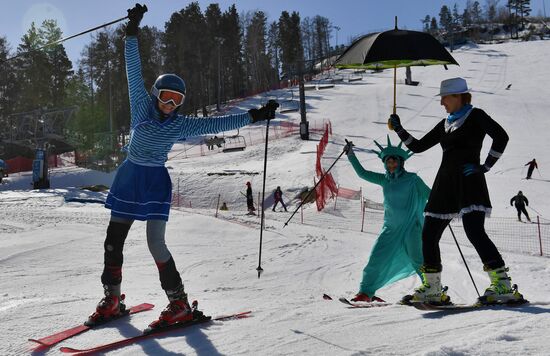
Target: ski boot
[177,311]
[501,291]
[109,307]
[430,291]
[362,297]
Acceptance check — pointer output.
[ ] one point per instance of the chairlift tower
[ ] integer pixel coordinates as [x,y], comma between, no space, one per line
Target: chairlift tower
[304,124]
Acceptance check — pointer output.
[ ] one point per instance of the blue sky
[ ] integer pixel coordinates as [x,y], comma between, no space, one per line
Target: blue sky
[354,17]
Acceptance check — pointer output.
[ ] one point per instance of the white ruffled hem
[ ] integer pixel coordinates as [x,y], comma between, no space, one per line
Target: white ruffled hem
[463,211]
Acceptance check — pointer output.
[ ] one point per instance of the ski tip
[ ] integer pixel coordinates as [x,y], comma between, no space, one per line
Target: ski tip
[68,350]
[240,315]
[327,297]
[39,342]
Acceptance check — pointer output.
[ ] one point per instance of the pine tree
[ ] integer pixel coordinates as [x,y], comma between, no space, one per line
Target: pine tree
[233,82]
[321,37]
[476,13]
[308,38]
[491,10]
[274,49]
[61,66]
[215,38]
[426,23]
[290,40]
[257,61]
[433,26]
[456,17]
[445,18]
[9,89]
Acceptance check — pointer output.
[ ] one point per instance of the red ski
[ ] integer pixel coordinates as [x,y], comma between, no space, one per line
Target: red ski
[161,331]
[363,304]
[377,303]
[64,335]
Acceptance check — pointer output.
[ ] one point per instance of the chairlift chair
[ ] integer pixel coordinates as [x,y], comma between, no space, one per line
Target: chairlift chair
[234,143]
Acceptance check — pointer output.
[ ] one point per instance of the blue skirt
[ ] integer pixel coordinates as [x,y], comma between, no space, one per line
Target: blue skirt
[140,193]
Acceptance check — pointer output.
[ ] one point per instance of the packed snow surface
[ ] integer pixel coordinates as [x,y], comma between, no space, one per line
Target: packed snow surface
[52,240]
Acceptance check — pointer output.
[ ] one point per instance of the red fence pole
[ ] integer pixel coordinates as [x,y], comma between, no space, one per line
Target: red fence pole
[363,218]
[262,204]
[336,198]
[361,195]
[302,210]
[217,205]
[178,192]
[540,239]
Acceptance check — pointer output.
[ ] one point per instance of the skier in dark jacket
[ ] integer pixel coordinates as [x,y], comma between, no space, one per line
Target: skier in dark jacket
[142,187]
[460,190]
[3,169]
[250,199]
[278,196]
[532,165]
[520,201]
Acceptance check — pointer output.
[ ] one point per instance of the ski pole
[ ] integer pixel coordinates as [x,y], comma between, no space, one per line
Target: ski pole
[463,259]
[536,211]
[259,268]
[312,190]
[69,37]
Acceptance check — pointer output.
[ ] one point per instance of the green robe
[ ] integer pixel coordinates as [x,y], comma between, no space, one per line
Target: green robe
[397,253]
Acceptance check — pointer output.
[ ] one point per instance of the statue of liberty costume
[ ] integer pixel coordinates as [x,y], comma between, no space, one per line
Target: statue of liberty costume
[397,252]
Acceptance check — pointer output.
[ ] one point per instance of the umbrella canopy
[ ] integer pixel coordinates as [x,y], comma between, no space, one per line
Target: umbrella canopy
[393,49]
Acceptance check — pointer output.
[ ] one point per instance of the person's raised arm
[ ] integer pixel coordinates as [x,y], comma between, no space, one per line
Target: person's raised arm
[196,126]
[372,177]
[136,85]
[429,140]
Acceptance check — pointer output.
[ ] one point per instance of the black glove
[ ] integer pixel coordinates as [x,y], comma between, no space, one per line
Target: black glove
[135,15]
[348,148]
[472,168]
[395,122]
[266,112]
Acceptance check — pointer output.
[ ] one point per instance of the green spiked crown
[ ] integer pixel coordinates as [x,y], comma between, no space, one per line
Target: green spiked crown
[389,151]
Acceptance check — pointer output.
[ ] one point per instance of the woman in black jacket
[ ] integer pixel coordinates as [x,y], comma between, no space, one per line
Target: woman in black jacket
[459,190]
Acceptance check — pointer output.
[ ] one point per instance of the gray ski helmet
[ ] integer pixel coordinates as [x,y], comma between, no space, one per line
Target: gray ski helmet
[168,81]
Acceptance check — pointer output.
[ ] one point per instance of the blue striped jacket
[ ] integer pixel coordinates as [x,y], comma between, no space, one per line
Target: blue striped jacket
[150,138]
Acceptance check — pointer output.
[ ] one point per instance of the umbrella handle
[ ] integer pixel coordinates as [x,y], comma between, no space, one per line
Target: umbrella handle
[390,126]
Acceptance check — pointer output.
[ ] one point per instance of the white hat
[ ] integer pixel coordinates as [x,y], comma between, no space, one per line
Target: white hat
[453,86]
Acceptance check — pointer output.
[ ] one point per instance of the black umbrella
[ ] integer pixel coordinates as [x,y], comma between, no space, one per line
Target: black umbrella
[393,49]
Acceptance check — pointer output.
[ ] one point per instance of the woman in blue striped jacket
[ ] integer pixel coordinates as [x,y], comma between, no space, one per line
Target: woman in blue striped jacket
[142,188]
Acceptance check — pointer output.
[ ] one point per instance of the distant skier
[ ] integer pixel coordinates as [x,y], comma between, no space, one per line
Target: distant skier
[460,190]
[532,165]
[250,199]
[278,196]
[520,201]
[397,252]
[224,207]
[3,169]
[142,188]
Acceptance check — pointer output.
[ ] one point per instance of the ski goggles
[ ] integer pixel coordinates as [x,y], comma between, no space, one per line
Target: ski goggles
[167,96]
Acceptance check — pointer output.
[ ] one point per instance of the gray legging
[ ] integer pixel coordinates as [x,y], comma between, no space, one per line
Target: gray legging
[155,237]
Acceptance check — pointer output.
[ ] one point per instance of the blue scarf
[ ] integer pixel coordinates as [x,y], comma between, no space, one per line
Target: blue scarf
[458,114]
